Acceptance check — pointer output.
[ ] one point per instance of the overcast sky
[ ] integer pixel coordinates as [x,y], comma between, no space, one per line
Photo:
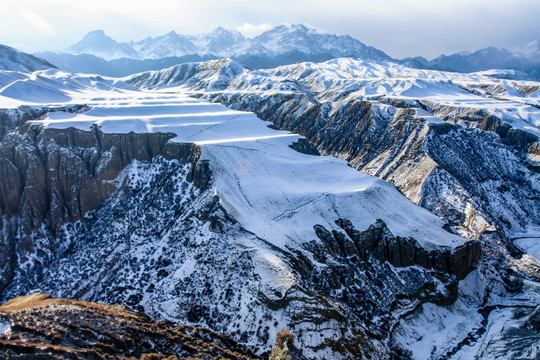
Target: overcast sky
[401,28]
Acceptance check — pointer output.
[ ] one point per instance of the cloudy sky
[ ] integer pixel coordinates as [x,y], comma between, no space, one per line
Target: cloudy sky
[401,28]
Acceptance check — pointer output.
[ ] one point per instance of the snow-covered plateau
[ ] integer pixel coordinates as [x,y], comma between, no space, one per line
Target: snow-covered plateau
[397,224]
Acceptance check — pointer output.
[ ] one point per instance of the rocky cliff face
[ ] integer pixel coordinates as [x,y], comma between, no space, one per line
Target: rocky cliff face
[55,177]
[378,242]
[38,326]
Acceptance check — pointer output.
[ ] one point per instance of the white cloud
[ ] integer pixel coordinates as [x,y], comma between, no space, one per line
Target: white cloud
[251,30]
[38,22]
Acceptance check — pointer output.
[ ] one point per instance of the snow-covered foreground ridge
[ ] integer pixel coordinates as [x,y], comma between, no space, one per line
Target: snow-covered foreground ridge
[272,190]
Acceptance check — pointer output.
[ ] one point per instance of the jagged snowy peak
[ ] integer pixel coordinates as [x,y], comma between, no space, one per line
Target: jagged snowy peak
[295,39]
[288,44]
[285,38]
[218,42]
[14,60]
[249,47]
[171,44]
[101,45]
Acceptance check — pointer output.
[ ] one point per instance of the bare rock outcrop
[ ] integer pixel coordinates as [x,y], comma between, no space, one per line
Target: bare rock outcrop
[54,177]
[47,328]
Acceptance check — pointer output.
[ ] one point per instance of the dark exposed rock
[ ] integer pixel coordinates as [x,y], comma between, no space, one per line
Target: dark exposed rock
[12,118]
[54,177]
[533,322]
[511,136]
[464,257]
[534,149]
[477,118]
[379,242]
[45,328]
[372,273]
[304,147]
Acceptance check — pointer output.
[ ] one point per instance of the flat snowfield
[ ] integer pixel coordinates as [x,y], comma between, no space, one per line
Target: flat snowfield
[270,189]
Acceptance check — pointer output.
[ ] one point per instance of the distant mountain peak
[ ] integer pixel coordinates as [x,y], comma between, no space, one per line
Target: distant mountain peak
[97,43]
[170,35]
[218,33]
[95,37]
[220,29]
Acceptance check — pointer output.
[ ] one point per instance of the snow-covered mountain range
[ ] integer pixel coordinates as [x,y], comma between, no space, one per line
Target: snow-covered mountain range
[227,43]
[372,209]
[284,44]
